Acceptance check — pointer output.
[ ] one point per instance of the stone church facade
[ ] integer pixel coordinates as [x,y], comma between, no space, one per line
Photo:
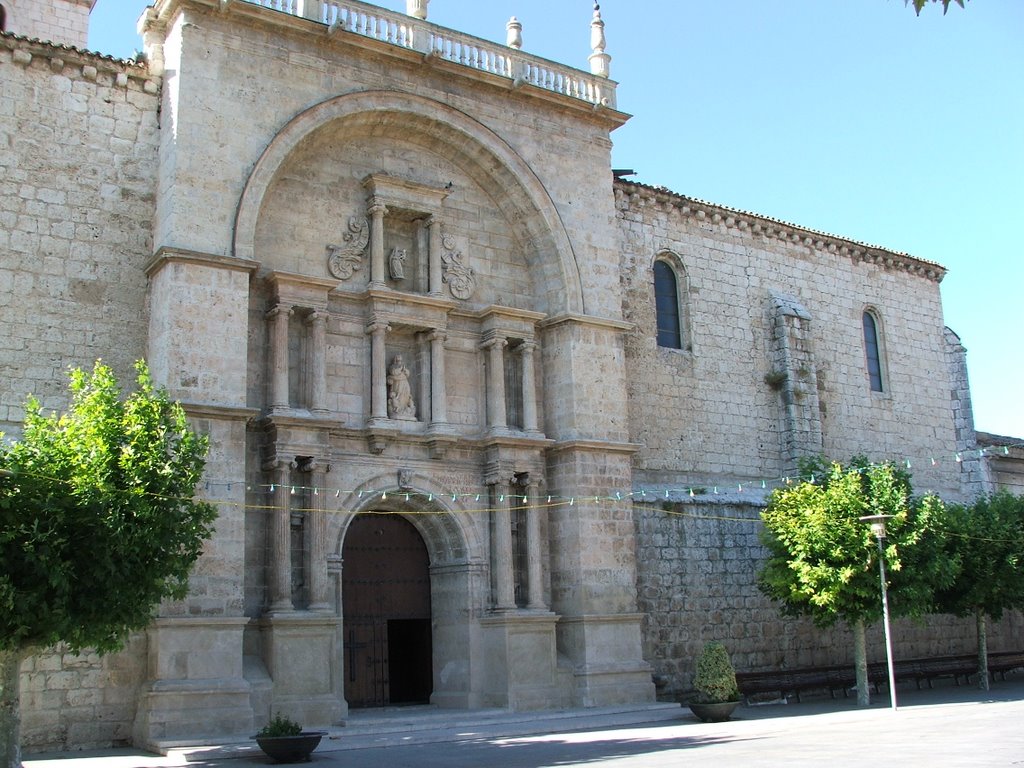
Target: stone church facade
[490,426]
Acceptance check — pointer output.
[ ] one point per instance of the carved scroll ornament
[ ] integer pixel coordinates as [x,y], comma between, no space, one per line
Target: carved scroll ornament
[343,260]
[457,274]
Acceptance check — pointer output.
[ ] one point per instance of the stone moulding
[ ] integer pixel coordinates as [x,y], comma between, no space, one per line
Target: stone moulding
[74,62]
[629,194]
[165,256]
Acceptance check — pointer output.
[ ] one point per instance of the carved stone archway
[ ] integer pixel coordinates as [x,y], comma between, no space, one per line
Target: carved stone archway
[456,573]
[462,140]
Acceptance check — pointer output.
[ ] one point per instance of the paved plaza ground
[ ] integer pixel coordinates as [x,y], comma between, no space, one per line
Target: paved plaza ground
[950,726]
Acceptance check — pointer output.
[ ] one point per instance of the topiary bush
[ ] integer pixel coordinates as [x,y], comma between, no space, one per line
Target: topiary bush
[715,678]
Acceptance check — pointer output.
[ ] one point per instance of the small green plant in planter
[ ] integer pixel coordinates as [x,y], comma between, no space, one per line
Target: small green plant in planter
[715,683]
[280,726]
[284,740]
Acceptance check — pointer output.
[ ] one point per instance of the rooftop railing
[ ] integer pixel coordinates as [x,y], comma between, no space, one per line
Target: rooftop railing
[446,44]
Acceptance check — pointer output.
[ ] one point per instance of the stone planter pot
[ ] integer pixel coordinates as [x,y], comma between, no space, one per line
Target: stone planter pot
[290,749]
[713,712]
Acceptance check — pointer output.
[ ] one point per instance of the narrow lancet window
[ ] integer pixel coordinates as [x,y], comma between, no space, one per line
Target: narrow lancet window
[872,351]
[666,301]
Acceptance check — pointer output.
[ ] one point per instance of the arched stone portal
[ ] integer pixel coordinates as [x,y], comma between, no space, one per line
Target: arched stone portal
[432,559]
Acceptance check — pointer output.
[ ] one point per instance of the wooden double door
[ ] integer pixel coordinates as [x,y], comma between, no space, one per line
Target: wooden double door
[386,613]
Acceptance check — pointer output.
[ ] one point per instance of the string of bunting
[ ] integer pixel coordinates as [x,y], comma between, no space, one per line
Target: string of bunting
[519,501]
[759,486]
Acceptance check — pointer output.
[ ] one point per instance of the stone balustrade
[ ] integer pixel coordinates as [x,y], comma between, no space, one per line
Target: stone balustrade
[451,46]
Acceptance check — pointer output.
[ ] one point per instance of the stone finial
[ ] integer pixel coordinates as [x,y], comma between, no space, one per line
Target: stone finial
[599,60]
[515,33]
[417,8]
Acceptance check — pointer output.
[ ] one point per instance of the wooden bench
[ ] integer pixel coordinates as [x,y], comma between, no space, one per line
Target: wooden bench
[787,682]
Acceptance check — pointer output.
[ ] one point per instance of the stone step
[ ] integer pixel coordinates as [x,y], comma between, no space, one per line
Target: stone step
[423,725]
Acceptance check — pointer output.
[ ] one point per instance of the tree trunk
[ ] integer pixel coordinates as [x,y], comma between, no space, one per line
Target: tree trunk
[860,661]
[979,616]
[10,711]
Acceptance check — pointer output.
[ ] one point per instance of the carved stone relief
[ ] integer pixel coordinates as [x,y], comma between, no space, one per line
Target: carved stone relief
[396,263]
[457,274]
[343,260]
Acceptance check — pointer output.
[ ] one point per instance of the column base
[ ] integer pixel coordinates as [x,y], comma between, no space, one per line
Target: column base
[523,669]
[302,654]
[198,687]
[608,665]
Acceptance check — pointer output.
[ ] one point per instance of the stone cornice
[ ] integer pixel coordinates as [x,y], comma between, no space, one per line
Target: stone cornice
[223,412]
[594,446]
[755,225]
[591,320]
[75,62]
[167,255]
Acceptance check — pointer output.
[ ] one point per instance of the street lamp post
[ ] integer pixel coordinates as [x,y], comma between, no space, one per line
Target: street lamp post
[878,529]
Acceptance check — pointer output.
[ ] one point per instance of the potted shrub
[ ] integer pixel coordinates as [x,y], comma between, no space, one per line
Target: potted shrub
[714,681]
[284,741]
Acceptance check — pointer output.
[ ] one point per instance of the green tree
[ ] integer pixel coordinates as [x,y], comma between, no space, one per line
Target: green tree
[986,538]
[920,4]
[98,524]
[823,560]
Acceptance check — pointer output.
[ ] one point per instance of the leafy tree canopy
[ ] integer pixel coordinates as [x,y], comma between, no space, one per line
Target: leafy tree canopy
[987,538]
[97,518]
[920,4]
[823,560]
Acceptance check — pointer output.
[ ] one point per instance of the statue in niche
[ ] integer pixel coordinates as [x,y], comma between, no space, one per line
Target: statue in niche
[400,404]
[396,263]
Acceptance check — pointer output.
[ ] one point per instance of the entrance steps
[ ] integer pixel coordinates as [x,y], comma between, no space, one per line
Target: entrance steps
[396,726]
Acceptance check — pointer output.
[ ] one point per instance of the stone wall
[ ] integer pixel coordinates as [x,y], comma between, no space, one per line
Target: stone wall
[77,183]
[82,701]
[63,22]
[697,565]
[708,414]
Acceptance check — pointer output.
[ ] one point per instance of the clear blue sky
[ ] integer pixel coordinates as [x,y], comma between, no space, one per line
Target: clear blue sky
[853,117]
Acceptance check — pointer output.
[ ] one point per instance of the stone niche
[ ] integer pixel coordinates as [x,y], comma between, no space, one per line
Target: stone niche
[405,234]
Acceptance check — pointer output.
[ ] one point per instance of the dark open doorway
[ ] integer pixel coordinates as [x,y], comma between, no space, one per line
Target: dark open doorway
[386,607]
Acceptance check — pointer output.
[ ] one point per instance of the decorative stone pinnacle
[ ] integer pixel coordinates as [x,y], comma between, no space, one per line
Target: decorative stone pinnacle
[597,40]
[417,8]
[599,60]
[515,33]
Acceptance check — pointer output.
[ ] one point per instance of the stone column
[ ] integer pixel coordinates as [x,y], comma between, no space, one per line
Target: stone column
[438,392]
[377,209]
[436,280]
[534,561]
[378,371]
[278,331]
[280,533]
[495,382]
[501,548]
[317,322]
[316,563]
[529,385]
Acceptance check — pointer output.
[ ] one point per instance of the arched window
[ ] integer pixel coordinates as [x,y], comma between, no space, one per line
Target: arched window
[873,352]
[3,19]
[667,306]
